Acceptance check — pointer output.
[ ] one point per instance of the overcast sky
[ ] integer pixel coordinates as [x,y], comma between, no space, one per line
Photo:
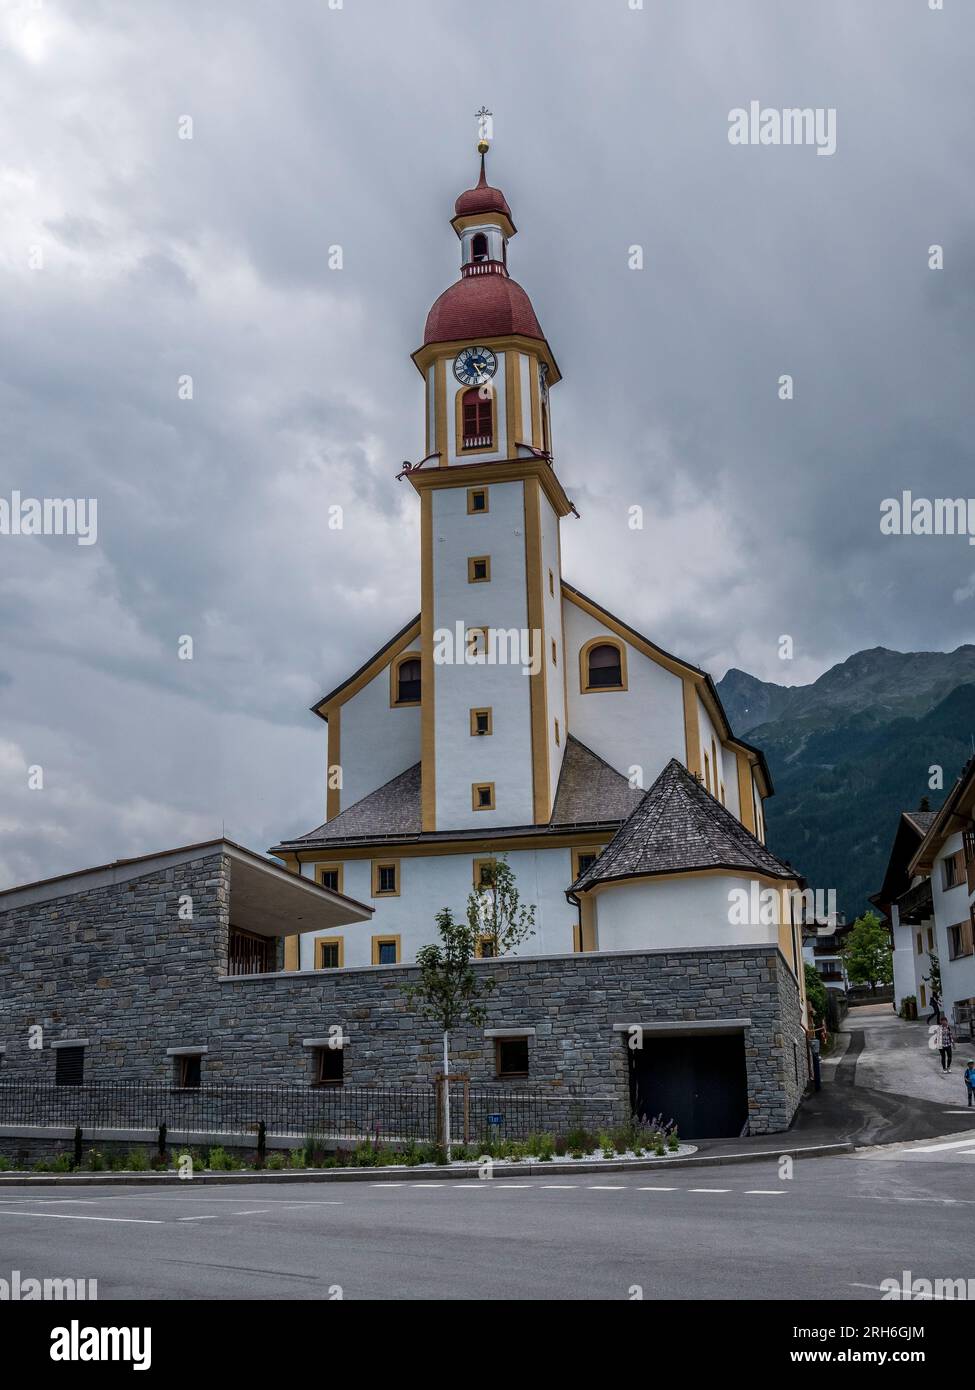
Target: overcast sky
[132,257]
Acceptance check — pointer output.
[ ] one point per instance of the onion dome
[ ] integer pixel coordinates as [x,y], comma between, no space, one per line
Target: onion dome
[482,198]
[481,306]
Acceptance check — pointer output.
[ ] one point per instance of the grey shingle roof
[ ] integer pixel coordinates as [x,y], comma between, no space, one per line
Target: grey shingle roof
[920,820]
[590,792]
[677,826]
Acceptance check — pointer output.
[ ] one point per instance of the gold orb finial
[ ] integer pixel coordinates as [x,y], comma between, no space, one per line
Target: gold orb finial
[483,146]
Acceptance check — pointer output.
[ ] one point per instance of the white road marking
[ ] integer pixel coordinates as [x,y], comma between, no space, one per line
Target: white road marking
[252,1211]
[606,1187]
[514,1184]
[657,1189]
[428,1184]
[66,1216]
[937,1148]
[560,1186]
[386,1184]
[709,1189]
[197,1218]
[764,1191]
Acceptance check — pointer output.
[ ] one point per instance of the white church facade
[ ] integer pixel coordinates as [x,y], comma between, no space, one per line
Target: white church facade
[514,714]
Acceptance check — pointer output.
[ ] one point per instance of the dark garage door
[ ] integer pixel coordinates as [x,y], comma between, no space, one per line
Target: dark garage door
[698,1081]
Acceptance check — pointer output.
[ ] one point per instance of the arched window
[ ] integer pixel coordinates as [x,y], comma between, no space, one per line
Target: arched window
[604,667]
[406,680]
[479,247]
[477,418]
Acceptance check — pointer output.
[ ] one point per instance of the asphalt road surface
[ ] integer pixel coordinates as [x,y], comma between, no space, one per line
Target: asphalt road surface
[835,1229]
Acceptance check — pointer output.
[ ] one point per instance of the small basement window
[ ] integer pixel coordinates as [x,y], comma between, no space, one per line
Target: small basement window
[329,1066]
[69,1066]
[511,1056]
[188,1071]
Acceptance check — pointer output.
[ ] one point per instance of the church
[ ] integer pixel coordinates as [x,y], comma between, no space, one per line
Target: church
[515,715]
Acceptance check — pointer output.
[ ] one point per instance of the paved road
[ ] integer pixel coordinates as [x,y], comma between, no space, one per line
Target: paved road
[718,1232]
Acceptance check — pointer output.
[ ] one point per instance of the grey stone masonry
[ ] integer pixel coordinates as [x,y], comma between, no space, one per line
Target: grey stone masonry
[116,965]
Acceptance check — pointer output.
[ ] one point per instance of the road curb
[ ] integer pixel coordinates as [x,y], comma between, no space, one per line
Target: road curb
[394,1174]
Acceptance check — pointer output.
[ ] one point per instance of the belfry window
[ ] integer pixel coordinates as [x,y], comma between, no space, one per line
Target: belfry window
[605,666]
[479,247]
[477,419]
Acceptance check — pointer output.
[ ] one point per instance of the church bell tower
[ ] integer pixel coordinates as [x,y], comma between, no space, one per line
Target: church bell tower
[492,644]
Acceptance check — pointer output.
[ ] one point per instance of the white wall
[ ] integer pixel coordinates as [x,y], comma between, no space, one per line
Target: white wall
[905,975]
[555,676]
[376,742]
[430,882]
[680,911]
[951,906]
[642,725]
[503,757]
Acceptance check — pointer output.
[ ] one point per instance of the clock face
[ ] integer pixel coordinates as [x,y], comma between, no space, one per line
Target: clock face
[474,366]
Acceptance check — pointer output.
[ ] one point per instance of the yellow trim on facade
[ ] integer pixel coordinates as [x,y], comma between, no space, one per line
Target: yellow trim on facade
[505,342]
[475,731]
[481,859]
[602,641]
[485,843]
[428,728]
[378,864]
[538,681]
[323,941]
[330,866]
[333,795]
[476,803]
[692,727]
[370,671]
[387,940]
[484,219]
[394,679]
[472,562]
[478,511]
[495,471]
[746,802]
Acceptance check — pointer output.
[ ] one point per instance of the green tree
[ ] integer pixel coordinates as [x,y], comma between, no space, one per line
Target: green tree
[815,993]
[867,954]
[449,990]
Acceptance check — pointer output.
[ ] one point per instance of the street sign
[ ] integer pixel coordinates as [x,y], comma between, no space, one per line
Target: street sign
[495,1119]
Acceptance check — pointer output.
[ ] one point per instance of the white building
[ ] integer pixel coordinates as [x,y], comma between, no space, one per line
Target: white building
[514,714]
[944,865]
[905,900]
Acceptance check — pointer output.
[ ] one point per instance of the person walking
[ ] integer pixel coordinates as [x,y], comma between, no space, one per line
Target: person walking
[935,1013]
[945,1043]
[970,1080]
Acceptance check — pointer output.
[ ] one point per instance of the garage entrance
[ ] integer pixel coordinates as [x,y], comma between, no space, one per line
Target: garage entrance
[698,1080]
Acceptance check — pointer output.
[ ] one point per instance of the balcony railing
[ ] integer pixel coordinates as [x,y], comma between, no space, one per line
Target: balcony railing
[478,441]
[483,268]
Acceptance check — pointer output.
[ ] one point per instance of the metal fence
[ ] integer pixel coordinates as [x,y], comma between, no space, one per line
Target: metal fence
[341,1112]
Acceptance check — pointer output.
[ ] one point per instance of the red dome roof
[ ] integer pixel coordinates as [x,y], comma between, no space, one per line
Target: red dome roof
[481,306]
[482,198]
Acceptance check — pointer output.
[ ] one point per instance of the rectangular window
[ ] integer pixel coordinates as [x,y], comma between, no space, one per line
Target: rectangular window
[69,1066]
[385,950]
[385,878]
[511,1056]
[484,872]
[582,859]
[329,953]
[477,501]
[930,938]
[707,772]
[330,876]
[482,796]
[920,944]
[189,1071]
[487,947]
[949,875]
[482,722]
[924,998]
[250,954]
[558,735]
[555,653]
[330,1066]
[551,583]
[960,940]
[478,569]
[477,641]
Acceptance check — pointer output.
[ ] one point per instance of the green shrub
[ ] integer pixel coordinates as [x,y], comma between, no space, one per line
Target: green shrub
[560,1145]
[579,1140]
[275,1162]
[61,1163]
[137,1160]
[673,1142]
[41,1165]
[219,1160]
[605,1142]
[5,1164]
[411,1154]
[297,1159]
